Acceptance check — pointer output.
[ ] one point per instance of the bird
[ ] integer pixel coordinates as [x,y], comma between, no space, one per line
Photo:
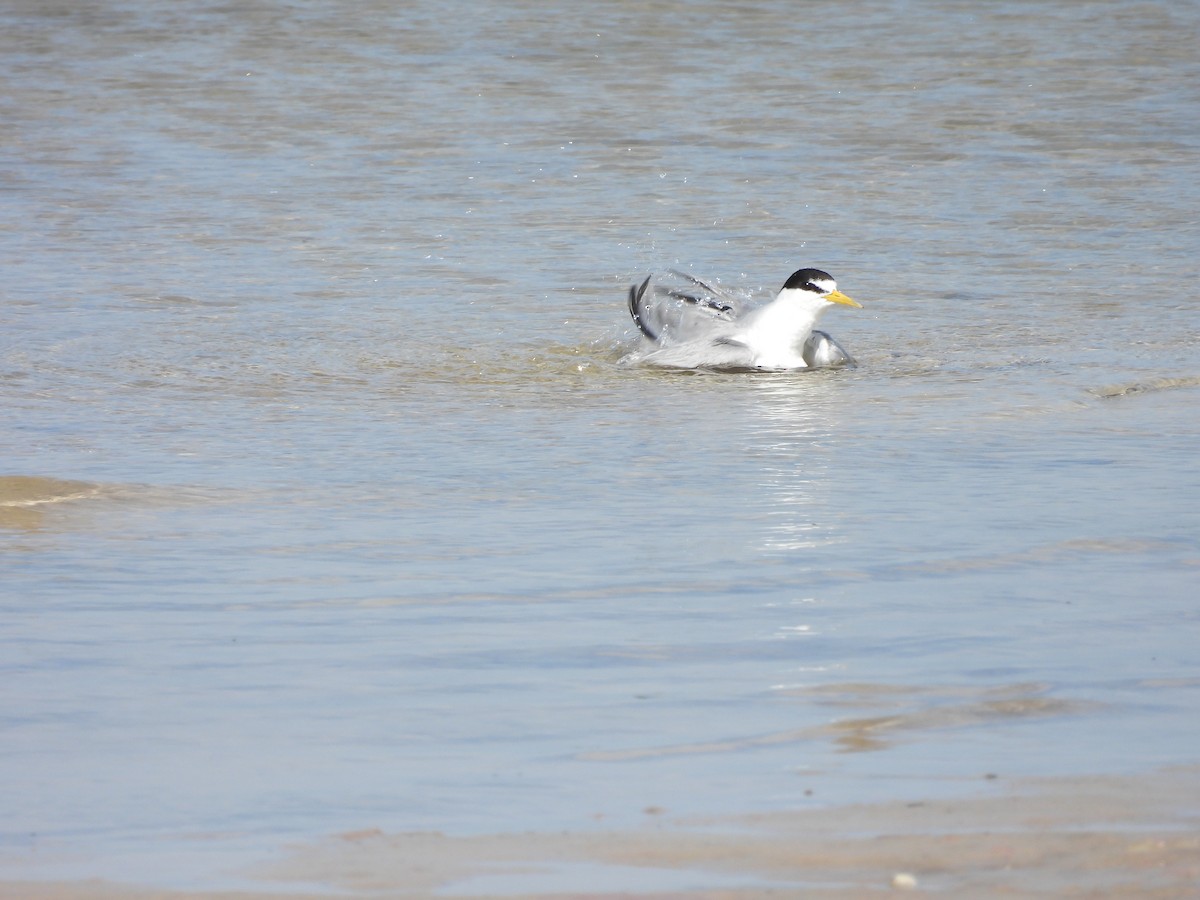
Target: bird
[698,326]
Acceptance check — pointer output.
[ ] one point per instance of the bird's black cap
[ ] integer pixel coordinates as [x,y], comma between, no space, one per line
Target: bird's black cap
[804,278]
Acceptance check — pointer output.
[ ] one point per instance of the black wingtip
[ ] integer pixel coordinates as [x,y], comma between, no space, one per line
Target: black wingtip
[636,294]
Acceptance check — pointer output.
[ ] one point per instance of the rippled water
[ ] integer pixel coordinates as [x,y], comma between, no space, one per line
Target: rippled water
[328,503]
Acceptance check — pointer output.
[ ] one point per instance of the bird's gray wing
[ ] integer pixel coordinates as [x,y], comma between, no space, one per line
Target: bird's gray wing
[668,312]
[717,293]
[640,311]
[821,350]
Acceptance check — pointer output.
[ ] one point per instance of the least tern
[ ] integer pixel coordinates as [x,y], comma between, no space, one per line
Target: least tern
[699,326]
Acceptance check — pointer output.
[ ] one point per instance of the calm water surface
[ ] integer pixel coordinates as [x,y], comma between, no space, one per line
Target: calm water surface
[327,502]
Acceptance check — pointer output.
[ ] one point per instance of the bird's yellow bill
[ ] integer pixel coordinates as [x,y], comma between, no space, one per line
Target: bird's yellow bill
[839,297]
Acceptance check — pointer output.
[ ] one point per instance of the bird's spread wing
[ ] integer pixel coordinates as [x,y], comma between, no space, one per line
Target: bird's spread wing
[669,312]
[716,293]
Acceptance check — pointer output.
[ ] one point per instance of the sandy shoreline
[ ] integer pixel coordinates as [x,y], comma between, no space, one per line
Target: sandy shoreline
[1103,836]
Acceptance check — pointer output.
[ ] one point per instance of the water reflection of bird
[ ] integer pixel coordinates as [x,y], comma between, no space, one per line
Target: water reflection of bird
[698,326]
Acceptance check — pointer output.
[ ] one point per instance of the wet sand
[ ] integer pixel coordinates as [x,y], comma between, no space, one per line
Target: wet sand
[1083,837]
[24,499]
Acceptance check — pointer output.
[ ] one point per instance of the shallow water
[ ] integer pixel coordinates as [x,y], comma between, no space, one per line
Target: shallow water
[329,504]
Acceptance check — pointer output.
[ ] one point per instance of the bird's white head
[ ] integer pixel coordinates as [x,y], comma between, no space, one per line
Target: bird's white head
[813,283]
